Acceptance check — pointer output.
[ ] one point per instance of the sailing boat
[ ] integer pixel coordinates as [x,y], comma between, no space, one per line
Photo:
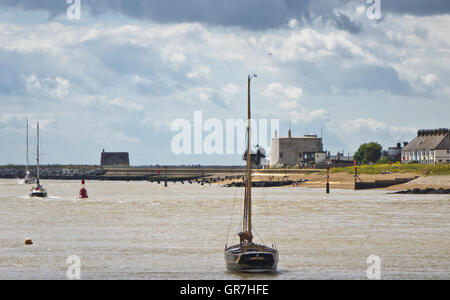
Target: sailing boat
[248,256]
[27,179]
[39,190]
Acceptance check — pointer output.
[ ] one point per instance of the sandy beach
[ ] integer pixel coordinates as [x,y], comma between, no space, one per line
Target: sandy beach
[346,181]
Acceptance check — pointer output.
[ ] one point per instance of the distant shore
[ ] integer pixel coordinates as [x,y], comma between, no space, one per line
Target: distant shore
[340,178]
[347,181]
[125,173]
[53,172]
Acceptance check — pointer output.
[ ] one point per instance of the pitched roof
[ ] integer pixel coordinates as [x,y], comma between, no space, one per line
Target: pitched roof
[430,140]
[445,144]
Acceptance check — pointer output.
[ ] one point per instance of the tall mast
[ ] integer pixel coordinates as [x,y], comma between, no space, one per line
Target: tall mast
[26,169]
[248,190]
[37,153]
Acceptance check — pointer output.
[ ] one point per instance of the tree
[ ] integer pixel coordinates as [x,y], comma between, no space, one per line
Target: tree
[368,153]
[255,157]
[384,160]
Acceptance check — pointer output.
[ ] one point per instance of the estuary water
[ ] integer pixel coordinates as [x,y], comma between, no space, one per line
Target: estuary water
[141,230]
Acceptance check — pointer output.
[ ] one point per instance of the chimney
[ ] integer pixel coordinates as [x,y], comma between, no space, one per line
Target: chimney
[289,133]
[276,133]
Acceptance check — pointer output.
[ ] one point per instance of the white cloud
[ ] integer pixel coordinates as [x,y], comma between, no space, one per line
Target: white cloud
[54,87]
[173,54]
[137,79]
[360,10]
[230,88]
[288,104]
[286,97]
[280,91]
[429,79]
[300,115]
[350,134]
[359,125]
[32,83]
[124,138]
[199,72]
[127,104]
[293,23]
[60,87]
[45,123]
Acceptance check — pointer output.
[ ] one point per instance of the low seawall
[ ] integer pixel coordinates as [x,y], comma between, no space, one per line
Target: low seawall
[377,184]
[63,173]
[152,174]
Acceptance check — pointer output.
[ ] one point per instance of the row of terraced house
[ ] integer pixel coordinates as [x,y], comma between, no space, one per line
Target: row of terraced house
[429,147]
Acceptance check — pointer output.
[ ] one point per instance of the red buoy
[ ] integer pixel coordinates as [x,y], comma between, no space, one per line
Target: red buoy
[83,192]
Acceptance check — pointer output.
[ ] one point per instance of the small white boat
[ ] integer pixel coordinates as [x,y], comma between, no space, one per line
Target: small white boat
[38,190]
[28,179]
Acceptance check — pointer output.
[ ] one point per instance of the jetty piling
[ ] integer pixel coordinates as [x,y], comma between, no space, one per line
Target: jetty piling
[328,181]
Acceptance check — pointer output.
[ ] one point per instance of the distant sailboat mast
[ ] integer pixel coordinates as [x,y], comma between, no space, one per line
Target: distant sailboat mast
[27,179]
[38,191]
[37,153]
[26,168]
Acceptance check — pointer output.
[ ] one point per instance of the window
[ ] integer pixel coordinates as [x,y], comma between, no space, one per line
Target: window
[281,154]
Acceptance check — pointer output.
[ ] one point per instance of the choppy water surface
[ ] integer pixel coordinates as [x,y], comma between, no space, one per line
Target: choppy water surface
[139,230]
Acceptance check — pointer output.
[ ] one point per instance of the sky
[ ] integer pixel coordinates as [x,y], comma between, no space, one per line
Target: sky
[118,77]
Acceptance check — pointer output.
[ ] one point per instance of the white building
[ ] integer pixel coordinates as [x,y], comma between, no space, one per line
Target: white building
[296,150]
[429,147]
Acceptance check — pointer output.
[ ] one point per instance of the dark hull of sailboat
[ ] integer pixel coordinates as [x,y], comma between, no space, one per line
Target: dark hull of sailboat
[39,194]
[251,261]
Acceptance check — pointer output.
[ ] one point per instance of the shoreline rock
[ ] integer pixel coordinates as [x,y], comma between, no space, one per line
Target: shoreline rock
[440,191]
[264,183]
[53,173]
